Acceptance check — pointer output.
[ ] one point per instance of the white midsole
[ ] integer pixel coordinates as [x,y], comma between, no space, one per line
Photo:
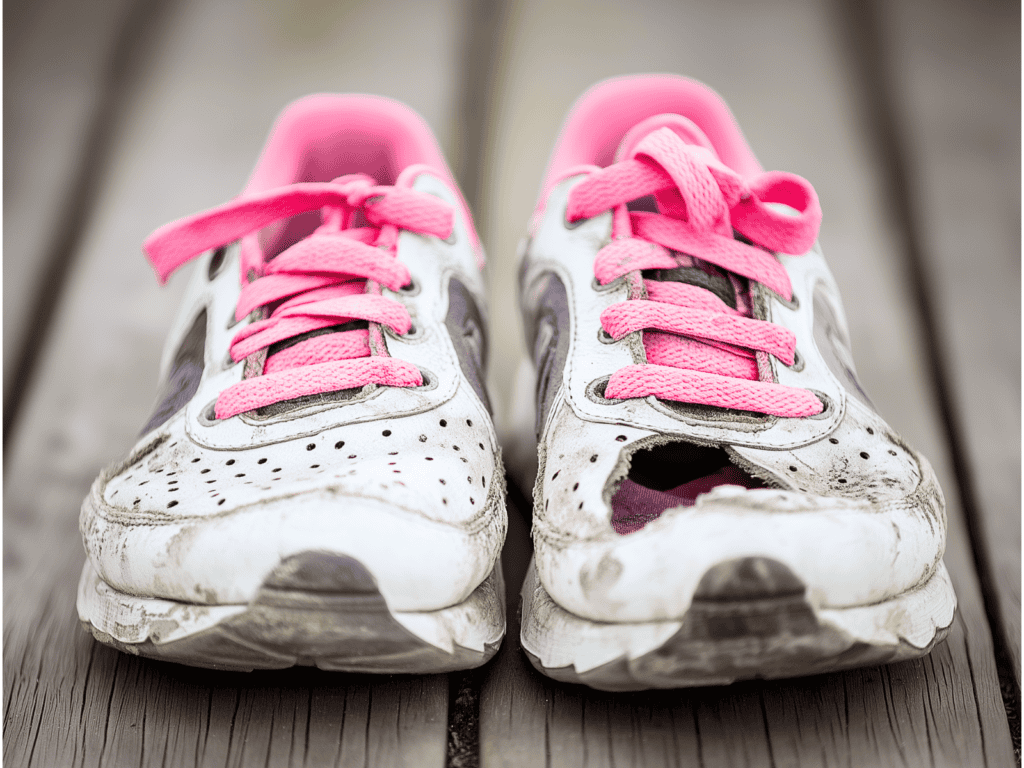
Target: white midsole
[477,621]
[561,639]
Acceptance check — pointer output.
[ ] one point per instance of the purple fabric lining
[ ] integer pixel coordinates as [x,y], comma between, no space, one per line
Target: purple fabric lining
[634,506]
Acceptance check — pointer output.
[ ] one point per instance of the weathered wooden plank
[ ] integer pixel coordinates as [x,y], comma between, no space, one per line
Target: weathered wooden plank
[90,705]
[57,59]
[779,66]
[220,72]
[955,82]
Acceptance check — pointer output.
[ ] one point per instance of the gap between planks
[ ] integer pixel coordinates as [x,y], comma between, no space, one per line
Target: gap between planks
[874,63]
[125,69]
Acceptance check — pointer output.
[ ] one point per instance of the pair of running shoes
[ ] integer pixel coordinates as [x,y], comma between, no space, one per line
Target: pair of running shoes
[321,484]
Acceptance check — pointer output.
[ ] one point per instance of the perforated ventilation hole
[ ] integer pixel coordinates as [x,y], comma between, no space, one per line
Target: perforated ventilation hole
[443,423]
[172,504]
[892,452]
[311,446]
[386,433]
[792,469]
[576,486]
[262,461]
[556,474]
[455,447]
[423,438]
[620,439]
[314,466]
[339,445]
[871,431]
[276,469]
[229,462]
[841,480]
[469,422]
[195,460]
[221,502]
[593,458]
[833,441]
[864,455]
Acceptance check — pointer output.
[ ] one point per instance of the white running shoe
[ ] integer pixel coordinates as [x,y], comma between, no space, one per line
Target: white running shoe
[716,497]
[320,482]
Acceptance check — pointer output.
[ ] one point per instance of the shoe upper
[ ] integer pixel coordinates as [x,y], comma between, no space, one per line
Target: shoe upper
[403,475]
[668,365]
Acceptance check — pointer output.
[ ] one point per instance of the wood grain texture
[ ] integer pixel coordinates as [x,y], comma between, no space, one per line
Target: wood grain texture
[69,701]
[956,91]
[780,66]
[219,73]
[56,65]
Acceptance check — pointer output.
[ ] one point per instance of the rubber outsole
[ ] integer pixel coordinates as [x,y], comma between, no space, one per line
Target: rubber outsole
[316,609]
[749,619]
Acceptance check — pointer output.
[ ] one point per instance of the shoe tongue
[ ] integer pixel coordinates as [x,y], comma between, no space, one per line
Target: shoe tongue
[700,274]
[683,127]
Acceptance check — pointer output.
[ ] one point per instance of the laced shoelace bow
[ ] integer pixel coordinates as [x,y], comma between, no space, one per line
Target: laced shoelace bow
[330,278]
[699,348]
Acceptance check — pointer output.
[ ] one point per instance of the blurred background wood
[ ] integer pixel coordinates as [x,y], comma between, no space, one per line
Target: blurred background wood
[928,262]
[954,71]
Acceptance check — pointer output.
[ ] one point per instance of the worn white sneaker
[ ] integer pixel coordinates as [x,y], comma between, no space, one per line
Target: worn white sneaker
[716,498]
[320,482]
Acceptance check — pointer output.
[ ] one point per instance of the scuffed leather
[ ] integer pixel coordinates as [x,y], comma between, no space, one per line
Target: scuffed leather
[853,511]
[407,481]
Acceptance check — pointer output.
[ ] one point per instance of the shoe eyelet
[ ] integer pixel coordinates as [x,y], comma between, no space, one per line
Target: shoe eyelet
[798,362]
[216,263]
[415,333]
[411,288]
[827,404]
[606,338]
[207,417]
[452,239]
[595,392]
[571,224]
[792,304]
[229,362]
[232,321]
[429,381]
[611,286]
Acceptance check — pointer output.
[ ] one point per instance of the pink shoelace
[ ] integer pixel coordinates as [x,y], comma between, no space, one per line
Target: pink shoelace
[332,277]
[699,348]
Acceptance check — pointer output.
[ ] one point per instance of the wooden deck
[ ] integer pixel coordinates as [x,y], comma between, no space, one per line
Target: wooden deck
[121,115]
